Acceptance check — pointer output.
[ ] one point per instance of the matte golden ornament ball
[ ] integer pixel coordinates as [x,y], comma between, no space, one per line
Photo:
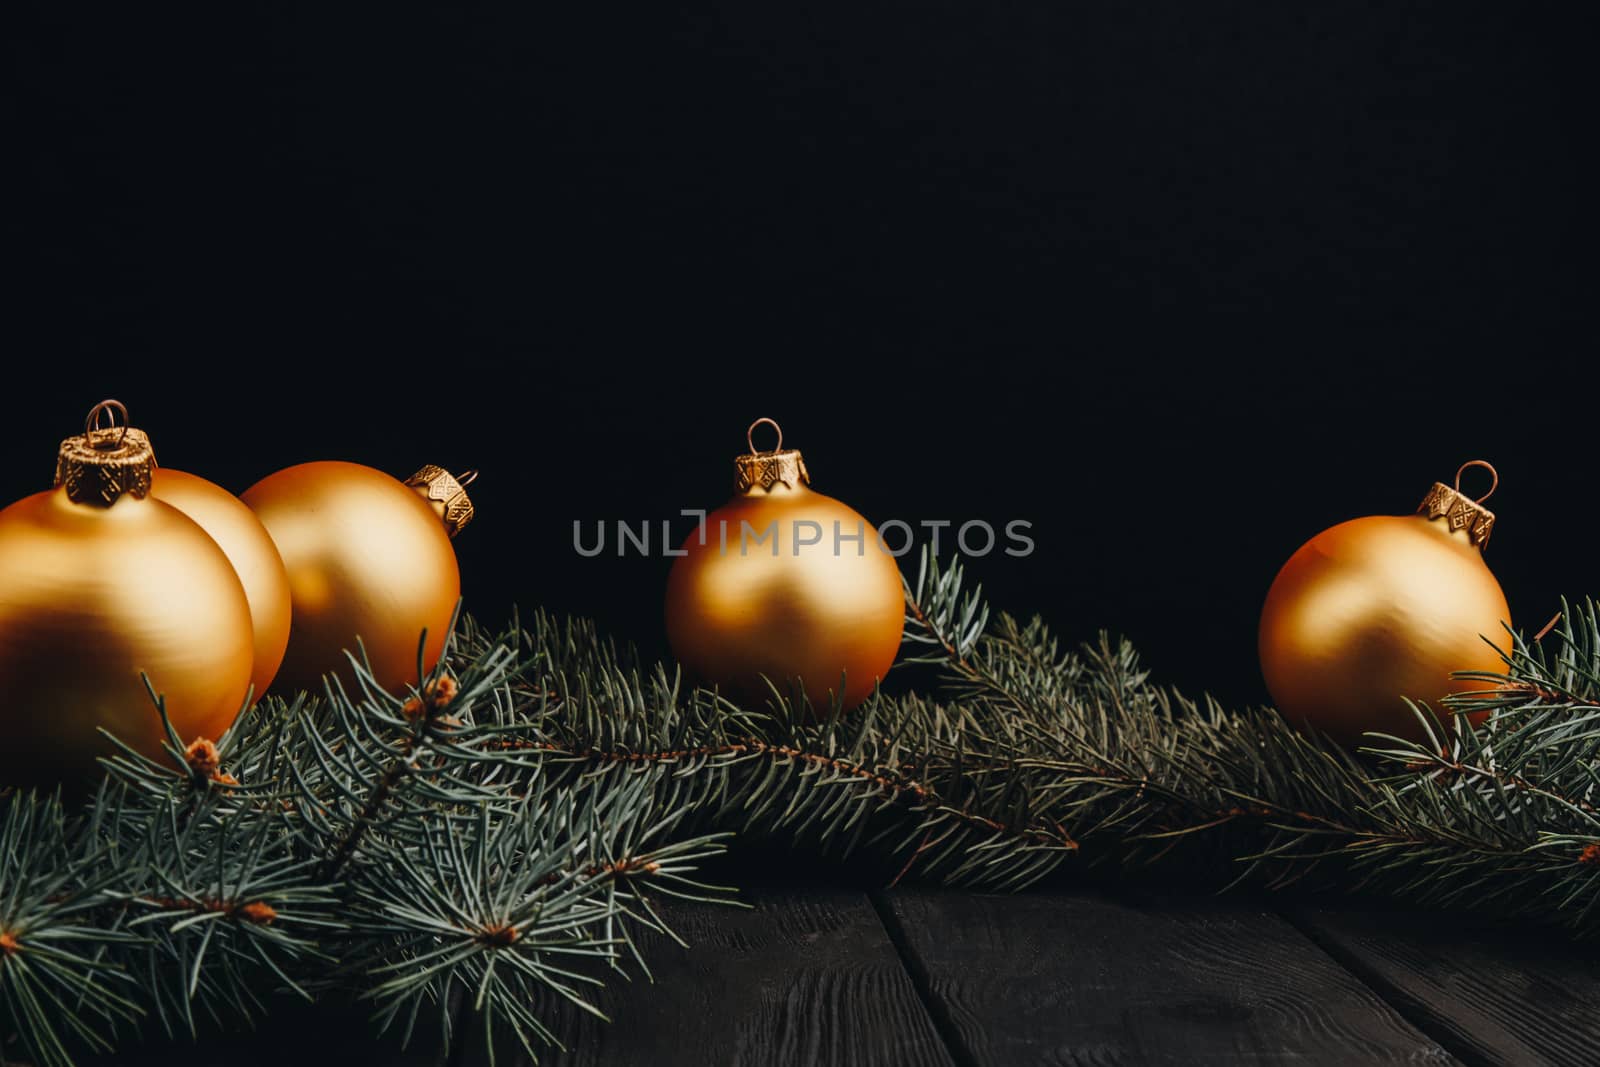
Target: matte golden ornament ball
[784,583]
[248,546]
[368,557]
[100,581]
[1383,608]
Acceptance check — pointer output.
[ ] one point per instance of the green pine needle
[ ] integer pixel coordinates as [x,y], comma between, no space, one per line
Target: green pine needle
[502,835]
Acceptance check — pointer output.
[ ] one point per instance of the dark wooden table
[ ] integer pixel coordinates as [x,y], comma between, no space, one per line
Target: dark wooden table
[932,977]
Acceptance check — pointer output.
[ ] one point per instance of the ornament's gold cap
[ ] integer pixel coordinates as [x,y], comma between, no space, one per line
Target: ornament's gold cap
[1460,511]
[446,494]
[100,465]
[766,469]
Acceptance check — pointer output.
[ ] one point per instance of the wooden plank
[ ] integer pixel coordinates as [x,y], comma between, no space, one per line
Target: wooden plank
[805,977]
[1082,979]
[292,1032]
[1490,992]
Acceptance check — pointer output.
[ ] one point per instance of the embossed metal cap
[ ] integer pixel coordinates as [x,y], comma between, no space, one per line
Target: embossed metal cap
[446,494]
[763,470]
[1460,511]
[99,466]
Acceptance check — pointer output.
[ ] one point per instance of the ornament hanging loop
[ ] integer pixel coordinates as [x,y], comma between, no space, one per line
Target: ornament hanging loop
[466,478]
[1494,475]
[758,469]
[750,436]
[91,424]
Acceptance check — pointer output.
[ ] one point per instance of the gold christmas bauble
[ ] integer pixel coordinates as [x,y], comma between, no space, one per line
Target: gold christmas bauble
[1379,609]
[99,581]
[367,557]
[242,538]
[786,584]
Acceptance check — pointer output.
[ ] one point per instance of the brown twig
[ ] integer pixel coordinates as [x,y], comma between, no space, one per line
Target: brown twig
[369,814]
[1055,836]
[258,912]
[1449,765]
[922,620]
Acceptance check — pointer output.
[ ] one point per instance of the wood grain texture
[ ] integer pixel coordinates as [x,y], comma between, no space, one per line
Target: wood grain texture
[807,977]
[1083,980]
[292,1034]
[1492,993]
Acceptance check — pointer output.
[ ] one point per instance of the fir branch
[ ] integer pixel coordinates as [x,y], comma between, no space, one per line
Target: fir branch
[56,985]
[503,829]
[314,846]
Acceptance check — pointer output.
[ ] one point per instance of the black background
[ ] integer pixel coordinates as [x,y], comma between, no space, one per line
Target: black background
[1181,284]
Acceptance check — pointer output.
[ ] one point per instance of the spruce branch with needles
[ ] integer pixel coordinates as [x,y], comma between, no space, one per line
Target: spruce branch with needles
[504,832]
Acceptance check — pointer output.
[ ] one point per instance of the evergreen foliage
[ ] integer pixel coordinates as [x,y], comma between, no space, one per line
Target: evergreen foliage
[504,832]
